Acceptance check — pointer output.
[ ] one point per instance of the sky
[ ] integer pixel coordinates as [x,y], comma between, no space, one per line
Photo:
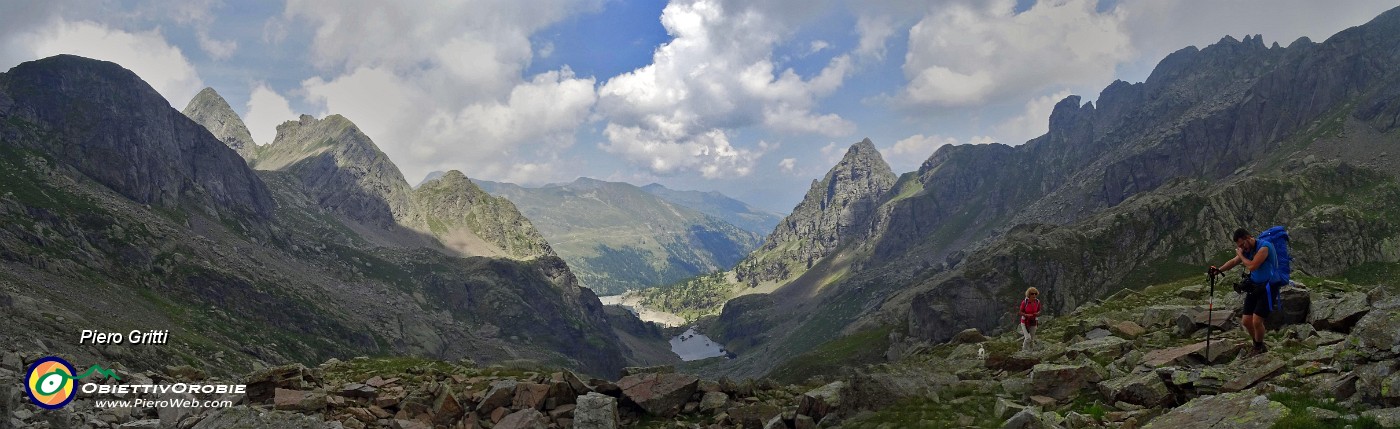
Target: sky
[754,99]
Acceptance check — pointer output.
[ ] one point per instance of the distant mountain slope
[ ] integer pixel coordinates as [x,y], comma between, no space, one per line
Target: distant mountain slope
[1142,184]
[715,204]
[468,219]
[618,237]
[119,213]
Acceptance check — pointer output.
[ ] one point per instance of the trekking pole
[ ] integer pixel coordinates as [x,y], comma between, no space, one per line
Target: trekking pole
[1210,312]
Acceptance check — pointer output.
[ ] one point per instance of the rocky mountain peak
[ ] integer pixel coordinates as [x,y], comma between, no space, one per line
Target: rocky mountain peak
[832,208]
[211,110]
[341,166]
[107,123]
[467,219]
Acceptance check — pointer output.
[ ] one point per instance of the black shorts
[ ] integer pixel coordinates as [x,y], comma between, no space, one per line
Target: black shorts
[1257,303]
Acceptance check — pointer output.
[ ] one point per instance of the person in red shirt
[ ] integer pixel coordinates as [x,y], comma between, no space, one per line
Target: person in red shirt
[1029,310]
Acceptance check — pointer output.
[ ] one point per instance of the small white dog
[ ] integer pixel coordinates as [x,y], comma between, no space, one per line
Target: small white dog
[981,352]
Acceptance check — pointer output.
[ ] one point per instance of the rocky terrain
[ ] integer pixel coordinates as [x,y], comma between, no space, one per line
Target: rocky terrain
[210,109]
[618,237]
[1137,359]
[1137,187]
[832,212]
[121,213]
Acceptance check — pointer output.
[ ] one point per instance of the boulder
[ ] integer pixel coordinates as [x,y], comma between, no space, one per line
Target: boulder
[1145,389]
[530,395]
[661,394]
[262,384]
[821,401]
[1193,292]
[1017,362]
[1064,381]
[1294,305]
[446,408]
[1172,356]
[1224,411]
[755,415]
[298,400]
[1379,382]
[171,416]
[968,336]
[1377,334]
[1387,417]
[1026,419]
[1338,313]
[712,401]
[1097,333]
[409,424]
[1004,408]
[501,394]
[595,411]
[186,373]
[1188,322]
[358,390]
[1256,369]
[1127,329]
[1108,346]
[1161,315]
[528,418]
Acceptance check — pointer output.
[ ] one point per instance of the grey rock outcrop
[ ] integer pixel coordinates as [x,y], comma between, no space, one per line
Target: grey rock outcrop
[1241,410]
[832,212]
[105,122]
[341,168]
[211,110]
[596,411]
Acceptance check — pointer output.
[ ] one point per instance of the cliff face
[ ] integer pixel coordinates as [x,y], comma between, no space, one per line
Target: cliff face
[210,110]
[105,122]
[951,243]
[834,210]
[118,212]
[341,167]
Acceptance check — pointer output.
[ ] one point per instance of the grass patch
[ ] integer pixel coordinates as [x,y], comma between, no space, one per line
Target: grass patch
[1300,417]
[829,358]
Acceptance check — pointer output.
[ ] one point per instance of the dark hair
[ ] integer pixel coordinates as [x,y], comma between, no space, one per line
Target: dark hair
[1241,233]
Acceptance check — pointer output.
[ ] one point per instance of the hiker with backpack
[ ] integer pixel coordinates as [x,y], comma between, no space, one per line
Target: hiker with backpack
[1265,260]
[1029,310]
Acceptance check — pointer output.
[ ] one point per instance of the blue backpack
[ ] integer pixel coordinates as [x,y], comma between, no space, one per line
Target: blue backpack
[1279,238]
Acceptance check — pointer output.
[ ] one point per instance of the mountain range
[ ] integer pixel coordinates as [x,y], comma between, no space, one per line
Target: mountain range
[1139,187]
[121,213]
[619,237]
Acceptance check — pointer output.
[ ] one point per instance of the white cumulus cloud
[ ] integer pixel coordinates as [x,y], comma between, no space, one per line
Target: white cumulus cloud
[443,86]
[973,53]
[265,110]
[1033,120]
[146,53]
[716,75]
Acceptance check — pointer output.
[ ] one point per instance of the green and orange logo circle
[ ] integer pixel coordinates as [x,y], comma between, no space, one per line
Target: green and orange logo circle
[51,383]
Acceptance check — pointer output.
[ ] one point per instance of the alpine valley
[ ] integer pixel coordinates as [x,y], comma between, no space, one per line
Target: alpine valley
[344,297]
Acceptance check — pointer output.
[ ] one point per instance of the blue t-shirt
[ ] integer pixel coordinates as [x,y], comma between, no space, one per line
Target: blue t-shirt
[1265,272]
